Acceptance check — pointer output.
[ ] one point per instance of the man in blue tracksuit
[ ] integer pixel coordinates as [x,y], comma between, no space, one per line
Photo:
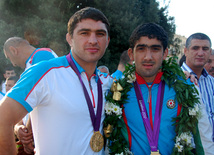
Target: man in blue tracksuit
[22,54]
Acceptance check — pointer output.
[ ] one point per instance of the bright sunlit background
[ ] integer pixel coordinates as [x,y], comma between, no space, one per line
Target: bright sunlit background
[192,16]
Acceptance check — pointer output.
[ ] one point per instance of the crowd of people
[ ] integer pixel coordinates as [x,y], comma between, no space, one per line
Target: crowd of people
[59,104]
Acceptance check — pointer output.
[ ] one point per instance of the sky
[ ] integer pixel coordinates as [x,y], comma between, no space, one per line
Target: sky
[192,16]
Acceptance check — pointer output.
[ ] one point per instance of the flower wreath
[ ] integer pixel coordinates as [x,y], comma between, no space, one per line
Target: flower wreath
[185,122]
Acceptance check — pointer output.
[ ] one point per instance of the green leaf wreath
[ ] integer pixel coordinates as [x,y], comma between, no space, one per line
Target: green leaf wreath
[186,95]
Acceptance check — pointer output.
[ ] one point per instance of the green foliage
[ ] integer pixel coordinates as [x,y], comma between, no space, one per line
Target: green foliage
[167,23]
[117,143]
[20,7]
[148,10]
[123,20]
[176,48]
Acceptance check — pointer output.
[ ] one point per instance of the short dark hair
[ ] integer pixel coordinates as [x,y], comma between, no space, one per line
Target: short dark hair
[200,36]
[87,13]
[124,57]
[9,68]
[182,60]
[150,30]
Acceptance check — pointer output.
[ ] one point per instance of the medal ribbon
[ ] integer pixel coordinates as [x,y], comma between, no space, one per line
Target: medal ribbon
[94,119]
[152,135]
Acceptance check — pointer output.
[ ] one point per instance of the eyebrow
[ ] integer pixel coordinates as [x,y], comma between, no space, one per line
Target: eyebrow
[200,46]
[145,45]
[88,30]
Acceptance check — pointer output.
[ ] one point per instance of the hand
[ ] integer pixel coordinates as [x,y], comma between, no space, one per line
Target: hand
[29,148]
[192,77]
[26,138]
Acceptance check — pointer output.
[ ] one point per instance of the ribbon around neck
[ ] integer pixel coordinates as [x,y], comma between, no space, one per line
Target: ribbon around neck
[95,119]
[152,135]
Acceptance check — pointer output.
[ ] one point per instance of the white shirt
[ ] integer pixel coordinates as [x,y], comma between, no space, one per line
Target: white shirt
[60,117]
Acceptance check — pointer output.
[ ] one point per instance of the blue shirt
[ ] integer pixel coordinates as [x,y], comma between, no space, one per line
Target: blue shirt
[118,74]
[206,85]
[38,55]
[135,130]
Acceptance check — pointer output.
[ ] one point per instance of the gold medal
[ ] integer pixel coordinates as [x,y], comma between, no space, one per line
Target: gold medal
[155,153]
[97,141]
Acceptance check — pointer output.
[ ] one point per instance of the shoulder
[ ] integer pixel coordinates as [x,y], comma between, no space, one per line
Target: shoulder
[34,75]
[43,67]
[42,54]
[117,72]
[185,81]
[210,77]
[46,51]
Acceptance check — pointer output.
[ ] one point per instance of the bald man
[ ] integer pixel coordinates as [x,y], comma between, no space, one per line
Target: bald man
[24,55]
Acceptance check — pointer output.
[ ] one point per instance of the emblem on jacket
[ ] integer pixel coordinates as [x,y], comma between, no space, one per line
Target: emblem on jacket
[170,104]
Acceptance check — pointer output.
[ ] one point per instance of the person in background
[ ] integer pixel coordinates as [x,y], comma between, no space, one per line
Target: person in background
[10,82]
[63,123]
[22,54]
[103,69]
[197,52]
[124,59]
[209,66]
[182,59]
[8,72]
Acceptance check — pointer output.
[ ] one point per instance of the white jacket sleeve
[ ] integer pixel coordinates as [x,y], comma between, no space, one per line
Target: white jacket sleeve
[205,129]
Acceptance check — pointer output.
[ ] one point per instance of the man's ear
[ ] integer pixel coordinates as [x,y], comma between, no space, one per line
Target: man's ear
[108,41]
[13,50]
[5,75]
[185,51]
[165,54]
[69,39]
[131,54]
[211,50]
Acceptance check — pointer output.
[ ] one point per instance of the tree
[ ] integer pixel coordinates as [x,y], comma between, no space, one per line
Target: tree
[167,23]
[123,20]
[175,47]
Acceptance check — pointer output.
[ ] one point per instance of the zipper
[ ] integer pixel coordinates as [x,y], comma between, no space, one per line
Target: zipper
[90,85]
[149,94]
[150,104]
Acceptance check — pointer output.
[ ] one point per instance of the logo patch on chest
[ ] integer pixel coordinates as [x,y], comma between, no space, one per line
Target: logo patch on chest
[170,104]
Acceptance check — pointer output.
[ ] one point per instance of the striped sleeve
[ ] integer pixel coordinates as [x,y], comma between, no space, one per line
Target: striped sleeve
[30,79]
[203,137]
